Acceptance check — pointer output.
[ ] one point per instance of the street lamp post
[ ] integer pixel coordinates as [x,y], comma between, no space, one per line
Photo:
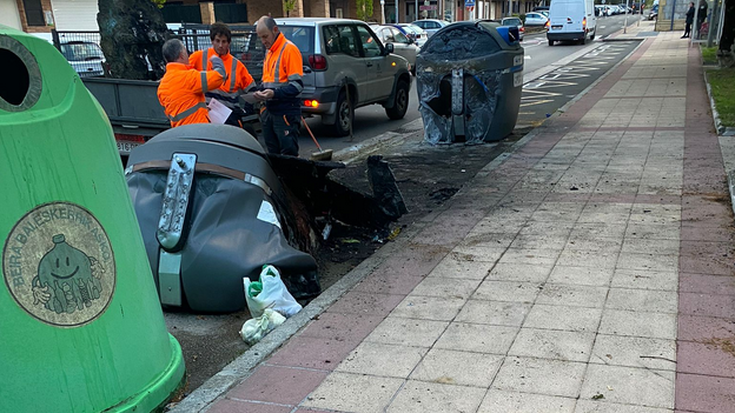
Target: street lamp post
[625,27]
[382,11]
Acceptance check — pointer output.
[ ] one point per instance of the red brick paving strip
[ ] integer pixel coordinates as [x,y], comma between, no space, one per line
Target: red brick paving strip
[705,343]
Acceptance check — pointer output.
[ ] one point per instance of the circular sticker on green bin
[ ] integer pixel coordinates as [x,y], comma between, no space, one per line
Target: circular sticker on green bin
[59,266]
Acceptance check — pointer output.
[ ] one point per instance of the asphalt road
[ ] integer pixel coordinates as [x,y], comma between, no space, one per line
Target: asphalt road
[540,59]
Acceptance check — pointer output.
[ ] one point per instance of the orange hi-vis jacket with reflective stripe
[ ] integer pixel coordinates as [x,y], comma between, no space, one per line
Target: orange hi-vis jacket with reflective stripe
[181,93]
[283,70]
[238,77]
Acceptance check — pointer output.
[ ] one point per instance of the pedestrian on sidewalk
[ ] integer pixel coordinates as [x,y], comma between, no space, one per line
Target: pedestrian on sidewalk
[690,20]
[282,83]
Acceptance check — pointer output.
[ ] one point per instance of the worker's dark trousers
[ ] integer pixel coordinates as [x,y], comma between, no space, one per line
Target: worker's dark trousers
[281,133]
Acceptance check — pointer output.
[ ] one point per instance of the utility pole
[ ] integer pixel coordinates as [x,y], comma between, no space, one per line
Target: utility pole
[625,27]
[382,11]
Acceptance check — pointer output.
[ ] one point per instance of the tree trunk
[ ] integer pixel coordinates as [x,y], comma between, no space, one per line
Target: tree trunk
[728,27]
[132,33]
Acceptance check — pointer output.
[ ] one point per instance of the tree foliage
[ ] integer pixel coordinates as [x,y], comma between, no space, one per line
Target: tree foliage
[364,9]
[159,3]
[288,6]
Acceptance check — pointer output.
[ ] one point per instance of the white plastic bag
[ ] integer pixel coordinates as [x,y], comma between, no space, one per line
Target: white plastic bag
[256,328]
[269,292]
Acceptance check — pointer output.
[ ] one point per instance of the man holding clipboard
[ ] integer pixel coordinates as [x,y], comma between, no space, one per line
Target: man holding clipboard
[239,79]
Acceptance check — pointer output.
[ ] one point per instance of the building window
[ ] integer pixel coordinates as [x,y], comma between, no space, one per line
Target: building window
[34,12]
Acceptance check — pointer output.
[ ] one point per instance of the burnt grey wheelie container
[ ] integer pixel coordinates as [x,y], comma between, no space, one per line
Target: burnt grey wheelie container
[470,76]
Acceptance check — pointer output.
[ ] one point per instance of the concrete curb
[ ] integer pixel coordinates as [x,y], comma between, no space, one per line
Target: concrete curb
[242,367]
[372,145]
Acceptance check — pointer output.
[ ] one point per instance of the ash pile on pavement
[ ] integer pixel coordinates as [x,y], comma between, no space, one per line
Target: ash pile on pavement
[427,176]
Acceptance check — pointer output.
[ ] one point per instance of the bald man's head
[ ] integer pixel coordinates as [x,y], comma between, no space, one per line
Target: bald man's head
[267,30]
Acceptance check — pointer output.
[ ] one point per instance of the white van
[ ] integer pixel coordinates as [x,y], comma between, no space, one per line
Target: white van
[571,20]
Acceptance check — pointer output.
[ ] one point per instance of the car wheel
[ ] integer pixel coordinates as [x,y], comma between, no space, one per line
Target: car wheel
[592,39]
[398,111]
[345,116]
[551,42]
[584,40]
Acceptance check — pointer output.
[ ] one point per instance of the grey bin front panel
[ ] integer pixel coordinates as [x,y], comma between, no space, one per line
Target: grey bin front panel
[226,237]
[488,68]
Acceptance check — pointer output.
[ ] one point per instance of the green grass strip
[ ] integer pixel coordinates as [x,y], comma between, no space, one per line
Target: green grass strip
[722,82]
[709,55]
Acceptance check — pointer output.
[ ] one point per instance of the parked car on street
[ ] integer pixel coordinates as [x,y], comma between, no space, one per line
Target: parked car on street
[346,66]
[535,19]
[514,21]
[85,57]
[431,26]
[415,33]
[402,45]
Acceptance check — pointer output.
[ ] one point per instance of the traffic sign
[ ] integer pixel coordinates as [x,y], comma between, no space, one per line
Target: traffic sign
[469,3]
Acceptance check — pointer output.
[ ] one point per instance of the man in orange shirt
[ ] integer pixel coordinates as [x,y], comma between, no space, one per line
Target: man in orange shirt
[181,90]
[239,81]
[282,82]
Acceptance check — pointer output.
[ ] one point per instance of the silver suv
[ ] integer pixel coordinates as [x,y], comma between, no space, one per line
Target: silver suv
[346,67]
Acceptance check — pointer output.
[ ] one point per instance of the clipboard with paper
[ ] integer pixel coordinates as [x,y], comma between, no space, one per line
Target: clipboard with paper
[218,112]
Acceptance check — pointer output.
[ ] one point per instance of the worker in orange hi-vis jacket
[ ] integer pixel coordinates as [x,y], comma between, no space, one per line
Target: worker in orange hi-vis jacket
[282,82]
[182,88]
[239,79]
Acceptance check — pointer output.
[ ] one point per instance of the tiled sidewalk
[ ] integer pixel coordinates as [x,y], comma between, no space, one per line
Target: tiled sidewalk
[590,272]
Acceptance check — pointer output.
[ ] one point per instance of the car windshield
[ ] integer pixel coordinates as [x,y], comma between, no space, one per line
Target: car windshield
[79,52]
[301,36]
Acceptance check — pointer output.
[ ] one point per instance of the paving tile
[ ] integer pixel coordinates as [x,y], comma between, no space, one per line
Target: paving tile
[519,272]
[453,266]
[602,406]
[609,246]
[529,256]
[642,300]
[629,351]
[652,232]
[429,308]
[645,279]
[446,287]
[592,276]
[707,284]
[407,332]
[501,401]
[523,374]
[239,406]
[653,262]
[697,328]
[573,256]
[553,344]
[356,302]
[311,352]
[549,242]
[507,291]
[707,305]
[572,295]
[458,367]
[479,338]
[488,240]
[477,253]
[705,394]
[711,357]
[415,396]
[651,246]
[341,327]
[719,233]
[506,313]
[274,384]
[558,317]
[379,359]
[354,393]
[624,385]
[639,324]
[388,283]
